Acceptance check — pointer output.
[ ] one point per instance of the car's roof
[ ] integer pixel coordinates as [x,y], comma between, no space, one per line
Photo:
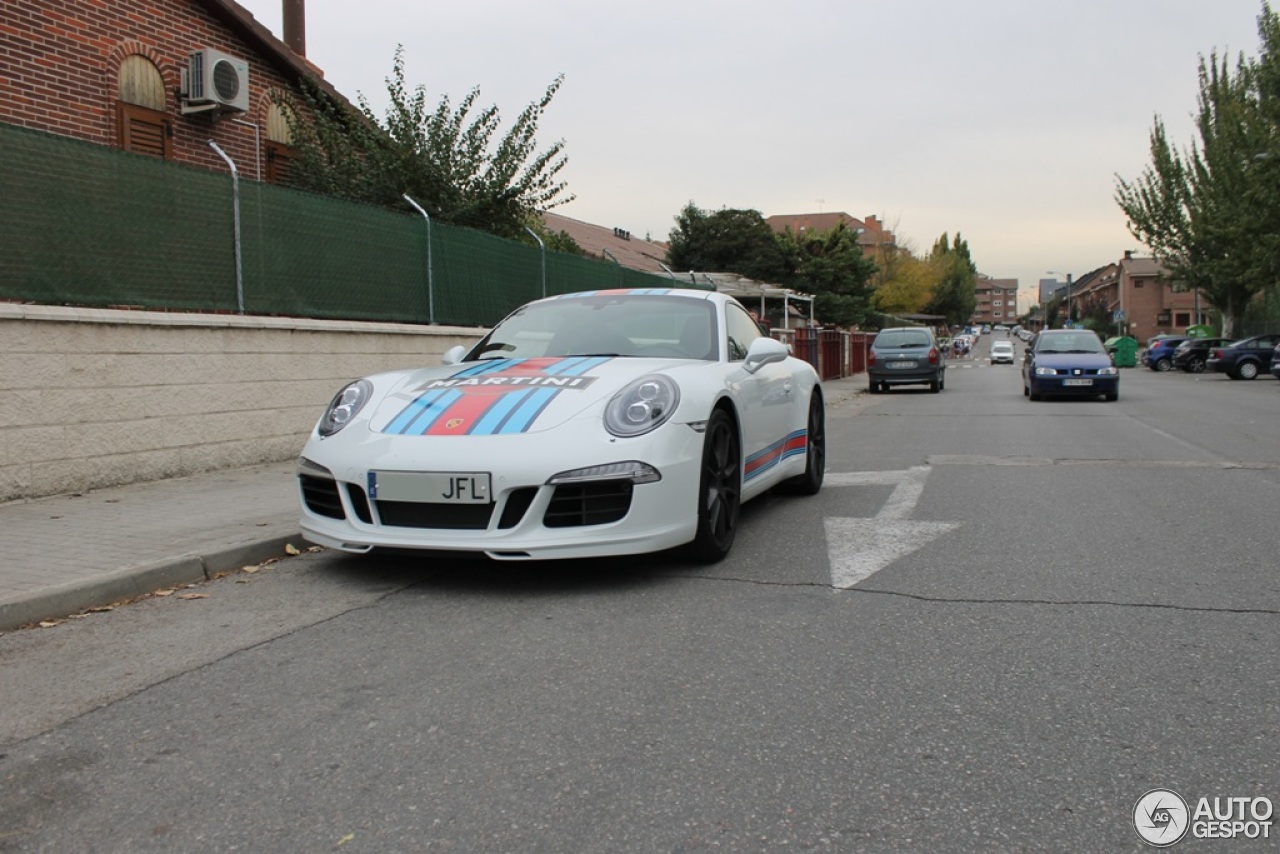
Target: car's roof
[641,293]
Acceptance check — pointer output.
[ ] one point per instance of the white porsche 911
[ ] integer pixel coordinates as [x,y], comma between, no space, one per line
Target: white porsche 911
[589,424]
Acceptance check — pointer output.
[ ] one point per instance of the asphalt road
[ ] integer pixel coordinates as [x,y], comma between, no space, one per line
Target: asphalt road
[998,626]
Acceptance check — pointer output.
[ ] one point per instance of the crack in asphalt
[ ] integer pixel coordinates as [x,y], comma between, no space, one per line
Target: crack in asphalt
[957,600]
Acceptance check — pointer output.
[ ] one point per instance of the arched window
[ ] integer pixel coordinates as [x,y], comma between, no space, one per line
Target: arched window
[141,123]
[279,144]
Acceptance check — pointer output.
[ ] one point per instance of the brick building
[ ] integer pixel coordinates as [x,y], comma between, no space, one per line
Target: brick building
[156,77]
[1140,300]
[997,301]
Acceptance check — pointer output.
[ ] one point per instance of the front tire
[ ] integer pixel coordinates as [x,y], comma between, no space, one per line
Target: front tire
[719,490]
[1248,370]
[815,462]
[1196,366]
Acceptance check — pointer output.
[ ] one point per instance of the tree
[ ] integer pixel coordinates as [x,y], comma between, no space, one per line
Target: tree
[955,295]
[908,286]
[726,241]
[830,265]
[451,163]
[1210,214]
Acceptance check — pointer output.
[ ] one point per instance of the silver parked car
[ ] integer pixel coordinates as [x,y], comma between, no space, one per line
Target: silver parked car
[906,356]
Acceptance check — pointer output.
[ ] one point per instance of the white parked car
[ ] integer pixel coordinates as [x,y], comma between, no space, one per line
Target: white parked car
[1001,352]
[599,423]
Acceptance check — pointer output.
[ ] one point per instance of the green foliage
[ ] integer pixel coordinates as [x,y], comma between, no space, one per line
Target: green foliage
[1210,214]
[830,265]
[906,285]
[955,294]
[450,162]
[726,241]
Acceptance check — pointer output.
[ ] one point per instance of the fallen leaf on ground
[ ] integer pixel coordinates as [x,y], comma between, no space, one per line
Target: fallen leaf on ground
[291,549]
[194,596]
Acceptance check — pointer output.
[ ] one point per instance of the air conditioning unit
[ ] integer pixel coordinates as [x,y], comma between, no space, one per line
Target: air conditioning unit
[215,82]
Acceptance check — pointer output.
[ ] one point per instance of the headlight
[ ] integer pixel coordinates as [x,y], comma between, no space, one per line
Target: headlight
[1046,372]
[642,406]
[1108,372]
[344,407]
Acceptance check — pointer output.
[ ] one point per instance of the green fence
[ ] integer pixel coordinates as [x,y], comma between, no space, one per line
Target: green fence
[81,224]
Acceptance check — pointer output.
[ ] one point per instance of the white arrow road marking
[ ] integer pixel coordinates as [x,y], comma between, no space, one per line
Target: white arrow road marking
[859,548]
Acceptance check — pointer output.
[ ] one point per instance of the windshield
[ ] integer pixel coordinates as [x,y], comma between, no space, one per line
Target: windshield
[605,325]
[903,338]
[1070,344]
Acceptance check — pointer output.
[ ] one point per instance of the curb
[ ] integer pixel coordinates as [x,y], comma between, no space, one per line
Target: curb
[25,609]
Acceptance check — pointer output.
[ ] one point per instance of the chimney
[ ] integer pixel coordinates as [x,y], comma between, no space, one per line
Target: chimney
[295,26]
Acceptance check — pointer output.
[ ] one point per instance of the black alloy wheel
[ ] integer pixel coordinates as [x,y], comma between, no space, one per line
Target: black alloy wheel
[815,464]
[719,490]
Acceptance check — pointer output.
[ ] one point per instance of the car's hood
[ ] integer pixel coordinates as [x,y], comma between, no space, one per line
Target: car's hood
[504,396]
[1073,360]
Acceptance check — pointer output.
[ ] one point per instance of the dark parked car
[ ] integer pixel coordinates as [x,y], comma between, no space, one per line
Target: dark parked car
[1192,354]
[1275,362]
[1068,362]
[905,356]
[1244,359]
[1159,353]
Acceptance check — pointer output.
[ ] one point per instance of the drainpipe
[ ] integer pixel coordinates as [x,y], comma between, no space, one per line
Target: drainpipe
[431,285]
[235,213]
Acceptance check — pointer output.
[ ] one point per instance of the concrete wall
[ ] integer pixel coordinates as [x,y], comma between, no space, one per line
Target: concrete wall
[95,397]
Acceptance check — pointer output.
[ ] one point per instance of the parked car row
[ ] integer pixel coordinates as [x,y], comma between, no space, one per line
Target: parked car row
[1244,359]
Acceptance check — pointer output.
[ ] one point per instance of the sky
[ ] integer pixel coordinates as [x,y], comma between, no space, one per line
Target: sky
[1005,121]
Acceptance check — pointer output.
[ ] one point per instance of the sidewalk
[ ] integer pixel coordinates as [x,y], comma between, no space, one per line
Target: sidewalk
[65,553]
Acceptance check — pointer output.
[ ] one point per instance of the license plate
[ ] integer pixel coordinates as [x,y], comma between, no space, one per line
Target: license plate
[453,487]
[902,364]
[1077,382]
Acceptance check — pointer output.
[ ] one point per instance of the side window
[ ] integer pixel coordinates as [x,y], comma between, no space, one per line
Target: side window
[742,330]
[141,124]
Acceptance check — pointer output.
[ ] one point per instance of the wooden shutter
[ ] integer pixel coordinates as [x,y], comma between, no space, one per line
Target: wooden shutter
[143,130]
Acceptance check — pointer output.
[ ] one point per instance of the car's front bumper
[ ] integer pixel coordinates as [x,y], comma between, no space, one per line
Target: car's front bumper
[1075,386]
[338,511]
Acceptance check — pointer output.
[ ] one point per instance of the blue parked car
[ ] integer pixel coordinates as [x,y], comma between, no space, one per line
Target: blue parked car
[1069,362]
[1159,353]
[1275,362]
[1245,359]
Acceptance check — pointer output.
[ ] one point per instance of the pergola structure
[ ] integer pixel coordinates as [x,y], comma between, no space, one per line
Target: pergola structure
[749,292]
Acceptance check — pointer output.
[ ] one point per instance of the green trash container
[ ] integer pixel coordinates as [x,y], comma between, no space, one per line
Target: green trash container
[1123,350]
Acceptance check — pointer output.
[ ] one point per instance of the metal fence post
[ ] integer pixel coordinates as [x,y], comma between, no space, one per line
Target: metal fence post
[431,285]
[543,247]
[235,210]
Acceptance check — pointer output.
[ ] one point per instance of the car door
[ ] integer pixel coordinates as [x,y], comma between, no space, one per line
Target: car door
[765,398]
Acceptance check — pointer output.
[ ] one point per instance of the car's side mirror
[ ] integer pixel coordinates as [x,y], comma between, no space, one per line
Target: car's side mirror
[453,355]
[763,351]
